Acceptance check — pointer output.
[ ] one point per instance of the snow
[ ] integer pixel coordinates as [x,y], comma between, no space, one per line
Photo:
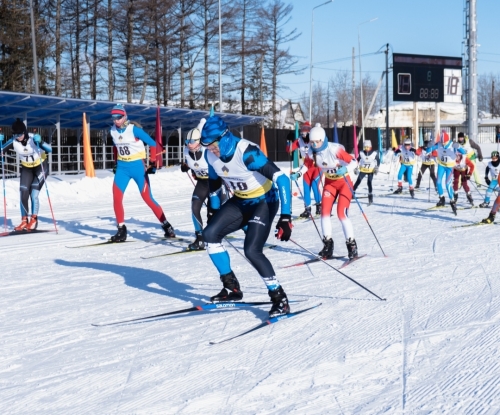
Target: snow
[431,348]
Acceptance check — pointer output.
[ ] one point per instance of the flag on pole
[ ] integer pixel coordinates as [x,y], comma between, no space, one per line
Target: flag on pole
[87,151]
[296,152]
[263,146]
[394,142]
[335,133]
[158,150]
[355,139]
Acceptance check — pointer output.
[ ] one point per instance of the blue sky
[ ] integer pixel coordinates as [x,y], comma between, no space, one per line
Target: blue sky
[427,27]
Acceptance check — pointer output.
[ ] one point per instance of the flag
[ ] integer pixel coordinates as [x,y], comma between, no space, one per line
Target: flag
[355,140]
[394,142]
[88,161]
[212,113]
[158,150]
[296,152]
[380,153]
[263,146]
[421,138]
[335,133]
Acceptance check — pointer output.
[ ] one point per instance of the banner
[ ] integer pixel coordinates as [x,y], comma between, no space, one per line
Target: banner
[88,161]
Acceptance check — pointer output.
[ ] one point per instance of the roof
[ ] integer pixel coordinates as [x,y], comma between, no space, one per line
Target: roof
[42,111]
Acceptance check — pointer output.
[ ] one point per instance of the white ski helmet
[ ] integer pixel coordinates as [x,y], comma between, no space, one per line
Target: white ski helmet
[193,139]
[407,142]
[317,136]
[367,144]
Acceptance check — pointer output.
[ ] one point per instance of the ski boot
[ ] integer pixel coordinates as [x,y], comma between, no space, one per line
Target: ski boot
[370,199]
[231,290]
[121,235]
[23,225]
[352,248]
[469,198]
[441,201]
[167,228]
[490,219]
[484,204]
[453,205]
[412,193]
[327,251]
[33,224]
[398,191]
[306,213]
[455,197]
[198,244]
[280,303]
[318,208]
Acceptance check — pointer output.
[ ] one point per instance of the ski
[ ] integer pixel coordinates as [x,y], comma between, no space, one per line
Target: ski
[201,307]
[350,261]
[312,260]
[433,208]
[467,207]
[12,233]
[191,251]
[473,224]
[176,239]
[108,242]
[266,323]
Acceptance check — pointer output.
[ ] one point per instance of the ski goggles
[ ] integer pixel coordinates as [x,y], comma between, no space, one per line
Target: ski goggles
[192,140]
[116,117]
[216,140]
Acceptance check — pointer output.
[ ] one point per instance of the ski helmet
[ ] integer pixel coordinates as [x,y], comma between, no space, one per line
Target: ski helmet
[193,139]
[494,154]
[367,144]
[214,129]
[407,142]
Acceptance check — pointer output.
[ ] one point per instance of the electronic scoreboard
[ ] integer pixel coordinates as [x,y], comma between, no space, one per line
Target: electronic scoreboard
[426,78]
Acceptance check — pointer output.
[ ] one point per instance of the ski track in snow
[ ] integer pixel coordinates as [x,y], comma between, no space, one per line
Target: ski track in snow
[431,348]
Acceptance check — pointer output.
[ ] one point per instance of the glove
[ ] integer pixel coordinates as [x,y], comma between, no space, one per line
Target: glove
[487,180]
[467,177]
[37,138]
[151,169]
[356,171]
[284,227]
[184,167]
[375,170]
[194,176]
[211,213]
[341,170]
[295,176]
[114,169]
[480,159]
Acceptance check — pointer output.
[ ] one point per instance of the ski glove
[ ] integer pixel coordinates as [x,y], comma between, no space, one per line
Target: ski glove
[356,171]
[295,176]
[375,170]
[37,139]
[184,167]
[210,213]
[480,159]
[487,180]
[467,177]
[114,169]
[151,169]
[341,171]
[284,227]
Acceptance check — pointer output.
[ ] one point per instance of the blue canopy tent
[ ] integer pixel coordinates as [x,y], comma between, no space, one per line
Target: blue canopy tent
[56,113]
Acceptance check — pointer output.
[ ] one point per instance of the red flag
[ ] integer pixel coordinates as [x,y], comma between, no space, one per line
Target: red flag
[263,146]
[158,156]
[356,154]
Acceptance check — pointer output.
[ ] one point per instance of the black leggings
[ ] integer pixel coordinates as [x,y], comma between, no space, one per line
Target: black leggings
[200,194]
[431,172]
[32,180]
[233,216]
[369,178]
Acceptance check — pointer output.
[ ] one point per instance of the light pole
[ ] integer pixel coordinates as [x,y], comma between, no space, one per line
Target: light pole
[33,41]
[220,59]
[311,65]
[361,80]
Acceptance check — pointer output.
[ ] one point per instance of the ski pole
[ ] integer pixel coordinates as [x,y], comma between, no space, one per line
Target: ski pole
[310,213]
[47,188]
[340,272]
[429,199]
[360,208]
[4,193]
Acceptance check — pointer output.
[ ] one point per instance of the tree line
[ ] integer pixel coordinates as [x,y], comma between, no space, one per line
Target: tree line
[165,51]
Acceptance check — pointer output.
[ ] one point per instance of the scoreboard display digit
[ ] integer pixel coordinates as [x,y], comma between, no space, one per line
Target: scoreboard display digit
[420,77]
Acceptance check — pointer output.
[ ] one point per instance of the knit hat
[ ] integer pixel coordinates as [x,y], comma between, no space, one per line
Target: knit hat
[367,143]
[118,111]
[306,127]
[18,127]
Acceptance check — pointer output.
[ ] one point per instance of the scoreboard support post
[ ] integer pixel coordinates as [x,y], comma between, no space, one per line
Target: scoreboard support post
[415,125]
[437,122]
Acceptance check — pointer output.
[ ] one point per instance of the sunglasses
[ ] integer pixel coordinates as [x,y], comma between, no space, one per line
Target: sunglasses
[216,140]
[192,140]
[117,117]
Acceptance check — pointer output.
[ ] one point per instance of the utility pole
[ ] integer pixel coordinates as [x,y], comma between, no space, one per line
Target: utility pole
[387,142]
[353,88]
[472,114]
[33,41]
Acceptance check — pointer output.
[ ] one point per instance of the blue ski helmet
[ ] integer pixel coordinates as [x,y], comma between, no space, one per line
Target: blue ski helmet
[214,129]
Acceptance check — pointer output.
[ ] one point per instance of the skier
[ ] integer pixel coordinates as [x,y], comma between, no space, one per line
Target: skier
[336,164]
[407,158]
[194,159]
[462,171]
[471,147]
[258,186]
[34,170]
[369,162]
[446,159]
[428,162]
[129,141]
[493,169]
[313,176]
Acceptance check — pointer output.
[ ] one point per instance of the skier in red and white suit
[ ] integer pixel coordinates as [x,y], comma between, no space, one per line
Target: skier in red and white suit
[336,164]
